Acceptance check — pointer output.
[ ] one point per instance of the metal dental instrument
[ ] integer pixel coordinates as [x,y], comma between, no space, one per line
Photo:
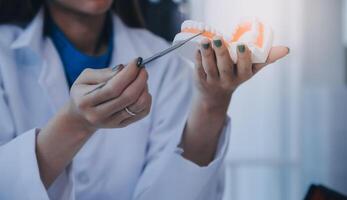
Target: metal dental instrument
[168,50]
[141,62]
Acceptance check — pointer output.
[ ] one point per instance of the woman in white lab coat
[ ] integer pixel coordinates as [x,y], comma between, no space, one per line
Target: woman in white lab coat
[144,135]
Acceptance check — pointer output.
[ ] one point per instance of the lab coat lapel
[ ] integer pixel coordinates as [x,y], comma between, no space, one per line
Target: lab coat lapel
[52,77]
[123,47]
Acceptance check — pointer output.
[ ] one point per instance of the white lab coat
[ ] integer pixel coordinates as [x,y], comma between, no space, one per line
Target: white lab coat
[140,162]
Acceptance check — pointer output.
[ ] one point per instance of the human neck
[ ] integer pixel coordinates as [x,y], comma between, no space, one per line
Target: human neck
[85,32]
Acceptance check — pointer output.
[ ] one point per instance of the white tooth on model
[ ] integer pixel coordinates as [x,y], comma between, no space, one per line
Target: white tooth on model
[198,25]
[194,25]
[227,38]
[219,34]
[254,36]
[237,28]
[207,28]
[244,38]
[201,26]
[255,26]
[187,24]
[233,33]
[250,37]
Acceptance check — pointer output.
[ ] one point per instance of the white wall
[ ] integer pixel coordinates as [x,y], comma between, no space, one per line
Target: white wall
[344,12]
[324,102]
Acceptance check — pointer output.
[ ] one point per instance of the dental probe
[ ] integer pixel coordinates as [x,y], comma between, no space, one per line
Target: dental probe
[142,62]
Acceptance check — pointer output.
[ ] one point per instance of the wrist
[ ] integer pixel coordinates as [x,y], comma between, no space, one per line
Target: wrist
[219,108]
[202,132]
[207,117]
[74,122]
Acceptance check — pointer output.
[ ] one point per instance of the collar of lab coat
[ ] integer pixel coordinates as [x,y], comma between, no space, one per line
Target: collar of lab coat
[32,34]
[52,76]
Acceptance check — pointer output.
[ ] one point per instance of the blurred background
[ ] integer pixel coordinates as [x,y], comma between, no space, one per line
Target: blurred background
[290,121]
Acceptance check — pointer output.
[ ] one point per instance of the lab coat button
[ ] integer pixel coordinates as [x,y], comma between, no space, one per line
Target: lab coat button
[83,177]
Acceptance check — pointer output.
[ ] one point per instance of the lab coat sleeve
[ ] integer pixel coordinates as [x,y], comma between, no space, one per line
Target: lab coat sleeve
[19,174]
[167,174]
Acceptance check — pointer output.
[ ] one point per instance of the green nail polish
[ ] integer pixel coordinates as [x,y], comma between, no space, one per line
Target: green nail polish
[206,45]
[217,43]
[241,48]
[139,62]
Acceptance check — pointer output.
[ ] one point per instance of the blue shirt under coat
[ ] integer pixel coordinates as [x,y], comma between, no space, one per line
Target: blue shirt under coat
[74,60]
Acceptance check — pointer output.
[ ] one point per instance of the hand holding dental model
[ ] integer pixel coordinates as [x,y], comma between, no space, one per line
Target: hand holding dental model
[218,74]
[253,33]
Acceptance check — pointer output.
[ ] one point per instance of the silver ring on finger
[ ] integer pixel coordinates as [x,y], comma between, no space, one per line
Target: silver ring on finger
[129,112]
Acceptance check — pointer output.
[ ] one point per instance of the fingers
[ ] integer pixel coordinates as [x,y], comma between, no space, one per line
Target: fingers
[209,60]
[143,102]
[141,108]
[275,54]
[201,75]
[116,119]
[94,76]
[224,61]
[115,86]
[111,113]
[87,89]
[135,89]
[244,63]
[214,62]
[123,118]
[105,106]
[129,96]
[135,118]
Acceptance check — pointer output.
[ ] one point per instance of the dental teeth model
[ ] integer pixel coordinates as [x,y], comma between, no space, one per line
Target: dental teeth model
[253,33]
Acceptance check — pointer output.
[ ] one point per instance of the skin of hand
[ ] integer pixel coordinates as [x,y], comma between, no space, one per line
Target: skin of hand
[217,77]
[104,108]
[65,134]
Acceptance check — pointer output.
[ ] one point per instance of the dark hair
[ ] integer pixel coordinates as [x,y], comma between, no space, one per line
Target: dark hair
[22,11]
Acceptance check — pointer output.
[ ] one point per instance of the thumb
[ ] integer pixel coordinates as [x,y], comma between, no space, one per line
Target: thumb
[275,54]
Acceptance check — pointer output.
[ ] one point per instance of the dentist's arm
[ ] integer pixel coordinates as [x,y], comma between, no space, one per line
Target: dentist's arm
[217,77]
[67,132]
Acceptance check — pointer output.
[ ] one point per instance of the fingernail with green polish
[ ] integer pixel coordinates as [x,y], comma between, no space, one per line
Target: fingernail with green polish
[206,45]
[241,48]
[217,43]
[139,62]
